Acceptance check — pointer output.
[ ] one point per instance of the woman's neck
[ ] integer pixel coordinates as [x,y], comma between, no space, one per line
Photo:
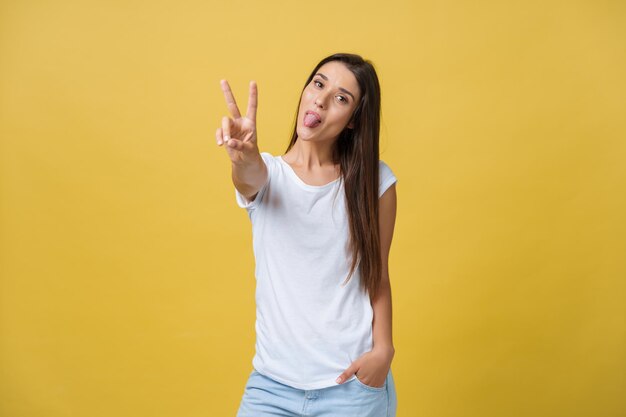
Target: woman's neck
[311,155]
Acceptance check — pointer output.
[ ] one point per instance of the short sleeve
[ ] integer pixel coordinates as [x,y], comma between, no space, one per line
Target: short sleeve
[242,201]
[387,178]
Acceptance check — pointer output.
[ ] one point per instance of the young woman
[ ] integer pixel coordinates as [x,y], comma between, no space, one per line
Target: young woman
[322,220]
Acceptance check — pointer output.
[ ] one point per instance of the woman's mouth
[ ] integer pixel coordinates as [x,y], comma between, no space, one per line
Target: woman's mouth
[312,119]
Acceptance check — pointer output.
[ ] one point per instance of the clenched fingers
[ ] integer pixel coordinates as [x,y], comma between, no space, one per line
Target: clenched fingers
[226,128]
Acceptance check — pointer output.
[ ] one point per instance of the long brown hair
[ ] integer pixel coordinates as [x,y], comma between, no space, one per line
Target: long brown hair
[356,151]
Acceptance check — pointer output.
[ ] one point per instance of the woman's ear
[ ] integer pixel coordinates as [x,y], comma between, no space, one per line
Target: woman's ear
[350,124]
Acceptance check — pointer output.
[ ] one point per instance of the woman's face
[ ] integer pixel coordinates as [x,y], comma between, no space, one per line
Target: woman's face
[333,94]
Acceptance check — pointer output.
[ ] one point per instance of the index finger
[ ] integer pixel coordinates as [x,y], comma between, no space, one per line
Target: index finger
[252,101]
[230,99]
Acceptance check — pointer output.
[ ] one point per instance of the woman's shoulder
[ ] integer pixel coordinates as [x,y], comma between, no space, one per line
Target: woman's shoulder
[384,168]
[386,177]
[269,159]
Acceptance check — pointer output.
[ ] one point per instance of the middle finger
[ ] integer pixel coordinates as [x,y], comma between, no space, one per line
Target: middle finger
[252,101]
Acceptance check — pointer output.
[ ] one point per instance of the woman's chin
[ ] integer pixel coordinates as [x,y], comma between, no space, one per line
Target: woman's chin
[304,133]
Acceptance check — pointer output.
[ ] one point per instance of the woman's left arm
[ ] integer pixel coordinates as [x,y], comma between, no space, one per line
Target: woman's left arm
[381,325]
[372,367]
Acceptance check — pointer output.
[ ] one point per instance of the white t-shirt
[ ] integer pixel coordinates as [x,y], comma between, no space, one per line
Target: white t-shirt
[309,328]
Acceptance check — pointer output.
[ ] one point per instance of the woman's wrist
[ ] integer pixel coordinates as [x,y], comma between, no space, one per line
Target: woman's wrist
[385,348]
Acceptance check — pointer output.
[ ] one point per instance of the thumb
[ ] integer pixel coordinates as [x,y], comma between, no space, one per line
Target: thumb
[347,373]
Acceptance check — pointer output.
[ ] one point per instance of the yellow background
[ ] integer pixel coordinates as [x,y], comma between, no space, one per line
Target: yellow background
[127,284]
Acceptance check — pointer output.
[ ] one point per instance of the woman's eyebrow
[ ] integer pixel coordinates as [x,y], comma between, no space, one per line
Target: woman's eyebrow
[340,88]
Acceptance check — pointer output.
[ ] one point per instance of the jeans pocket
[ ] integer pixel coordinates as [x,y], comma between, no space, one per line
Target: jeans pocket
[362,385]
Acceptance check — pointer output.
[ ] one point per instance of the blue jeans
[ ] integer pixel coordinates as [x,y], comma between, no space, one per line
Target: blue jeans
[265,397]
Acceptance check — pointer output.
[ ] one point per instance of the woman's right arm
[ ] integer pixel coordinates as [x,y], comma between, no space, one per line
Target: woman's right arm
[250,177]
[249,172]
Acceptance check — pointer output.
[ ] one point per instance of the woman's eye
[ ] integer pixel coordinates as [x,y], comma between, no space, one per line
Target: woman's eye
[320,85]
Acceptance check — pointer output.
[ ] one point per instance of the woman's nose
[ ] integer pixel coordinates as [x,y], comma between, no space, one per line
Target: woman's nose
[320,101]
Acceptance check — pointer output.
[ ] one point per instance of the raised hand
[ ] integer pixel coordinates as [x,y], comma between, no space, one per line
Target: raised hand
[239,133]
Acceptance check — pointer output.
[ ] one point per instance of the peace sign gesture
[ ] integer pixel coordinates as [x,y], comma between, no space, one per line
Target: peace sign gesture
[239,133]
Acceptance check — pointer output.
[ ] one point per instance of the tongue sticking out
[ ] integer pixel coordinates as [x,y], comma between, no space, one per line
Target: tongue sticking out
[310,120]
